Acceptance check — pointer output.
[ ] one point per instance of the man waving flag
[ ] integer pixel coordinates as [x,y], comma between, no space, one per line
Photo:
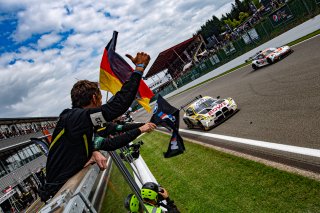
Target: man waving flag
[168,116]
[114,71]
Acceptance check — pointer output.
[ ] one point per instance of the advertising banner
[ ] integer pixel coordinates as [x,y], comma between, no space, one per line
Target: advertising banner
[246,38]
[214,59]
[229,48]
[280,16]
[253,34]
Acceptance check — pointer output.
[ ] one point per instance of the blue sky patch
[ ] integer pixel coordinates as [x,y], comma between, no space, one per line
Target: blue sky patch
[8,25]
[108,15]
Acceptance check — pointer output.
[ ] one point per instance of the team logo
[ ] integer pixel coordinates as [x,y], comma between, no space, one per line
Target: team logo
[166,116]
[155,109]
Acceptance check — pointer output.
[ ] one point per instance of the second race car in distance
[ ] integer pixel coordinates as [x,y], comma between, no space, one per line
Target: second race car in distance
[207,112]
[269,56]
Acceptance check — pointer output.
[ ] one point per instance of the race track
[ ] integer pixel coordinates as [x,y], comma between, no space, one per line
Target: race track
[279,103]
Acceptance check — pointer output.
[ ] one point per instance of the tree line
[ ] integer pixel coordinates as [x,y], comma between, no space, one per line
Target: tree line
[240,11]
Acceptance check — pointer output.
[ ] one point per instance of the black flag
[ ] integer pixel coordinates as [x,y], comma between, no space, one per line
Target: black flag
[168,116]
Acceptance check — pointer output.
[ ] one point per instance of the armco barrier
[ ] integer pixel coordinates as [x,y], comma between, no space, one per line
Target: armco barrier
[74,195]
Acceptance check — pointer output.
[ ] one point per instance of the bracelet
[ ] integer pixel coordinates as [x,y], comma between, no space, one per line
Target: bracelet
[140,65]
[119,127]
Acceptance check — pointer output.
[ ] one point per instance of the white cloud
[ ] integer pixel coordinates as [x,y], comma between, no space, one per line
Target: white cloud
[38,80]
[40,17]
[47,40]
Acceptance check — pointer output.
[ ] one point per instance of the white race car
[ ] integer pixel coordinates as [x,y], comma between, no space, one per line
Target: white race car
[269,56]
[207,112]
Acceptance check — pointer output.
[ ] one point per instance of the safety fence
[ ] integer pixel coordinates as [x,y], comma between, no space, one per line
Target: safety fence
[289,15]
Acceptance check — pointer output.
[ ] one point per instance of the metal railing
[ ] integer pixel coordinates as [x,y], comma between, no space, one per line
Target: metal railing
[79,193]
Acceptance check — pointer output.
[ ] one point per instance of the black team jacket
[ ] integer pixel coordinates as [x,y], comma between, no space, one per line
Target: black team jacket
[72,139]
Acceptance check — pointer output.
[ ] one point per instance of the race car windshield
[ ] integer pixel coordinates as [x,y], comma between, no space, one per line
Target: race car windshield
[204,106]
[268,52]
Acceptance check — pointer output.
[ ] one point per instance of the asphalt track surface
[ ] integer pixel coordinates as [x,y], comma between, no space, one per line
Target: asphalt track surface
[279,103]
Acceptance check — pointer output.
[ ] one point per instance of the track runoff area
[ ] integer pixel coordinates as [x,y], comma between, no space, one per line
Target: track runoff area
[279,110]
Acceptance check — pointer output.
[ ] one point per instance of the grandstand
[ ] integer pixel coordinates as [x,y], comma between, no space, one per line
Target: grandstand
[175,58]
[21,160]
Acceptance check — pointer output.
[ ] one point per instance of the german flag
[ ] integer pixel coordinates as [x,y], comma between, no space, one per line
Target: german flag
[114,71]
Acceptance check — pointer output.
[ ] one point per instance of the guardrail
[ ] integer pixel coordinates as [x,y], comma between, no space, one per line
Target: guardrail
[79,193]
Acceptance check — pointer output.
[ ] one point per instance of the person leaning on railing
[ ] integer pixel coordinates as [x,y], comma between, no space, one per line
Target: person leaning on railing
[72,145]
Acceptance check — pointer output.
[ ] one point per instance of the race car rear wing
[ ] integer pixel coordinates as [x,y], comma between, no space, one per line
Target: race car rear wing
[187,104]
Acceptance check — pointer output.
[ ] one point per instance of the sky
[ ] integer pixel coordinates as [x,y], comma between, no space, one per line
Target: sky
[46,46]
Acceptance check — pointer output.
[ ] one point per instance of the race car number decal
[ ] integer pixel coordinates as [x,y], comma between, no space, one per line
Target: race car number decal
[97,119]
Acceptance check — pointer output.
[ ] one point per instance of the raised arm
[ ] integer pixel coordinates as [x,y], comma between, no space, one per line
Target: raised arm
[124,98]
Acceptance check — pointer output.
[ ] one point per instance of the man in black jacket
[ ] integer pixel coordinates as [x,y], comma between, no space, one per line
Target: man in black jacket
[73,143]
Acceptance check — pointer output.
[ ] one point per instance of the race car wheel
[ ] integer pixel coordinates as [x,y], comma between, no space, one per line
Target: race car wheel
[269,61]
[255,67]
[202,127]
[188,123]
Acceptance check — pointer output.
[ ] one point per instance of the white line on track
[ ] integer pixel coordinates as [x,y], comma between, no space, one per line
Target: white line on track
[275,146]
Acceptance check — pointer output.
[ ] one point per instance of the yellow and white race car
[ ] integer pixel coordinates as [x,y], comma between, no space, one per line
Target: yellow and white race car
[207,112]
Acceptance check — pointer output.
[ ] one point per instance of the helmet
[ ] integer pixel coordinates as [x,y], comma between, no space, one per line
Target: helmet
[150,191]
[132,203]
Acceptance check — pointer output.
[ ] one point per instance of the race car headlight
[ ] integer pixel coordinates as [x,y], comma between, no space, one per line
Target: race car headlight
[230,102]
[204,118]
[200,117]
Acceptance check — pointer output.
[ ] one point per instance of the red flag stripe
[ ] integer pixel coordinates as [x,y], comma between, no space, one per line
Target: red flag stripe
[105,65]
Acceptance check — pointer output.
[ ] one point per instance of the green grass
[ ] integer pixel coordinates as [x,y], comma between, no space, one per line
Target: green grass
[117,191]
[206,180]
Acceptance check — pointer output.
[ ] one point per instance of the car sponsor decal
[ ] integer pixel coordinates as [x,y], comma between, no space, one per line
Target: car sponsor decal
[216,108]
[164,116]
[261,61]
